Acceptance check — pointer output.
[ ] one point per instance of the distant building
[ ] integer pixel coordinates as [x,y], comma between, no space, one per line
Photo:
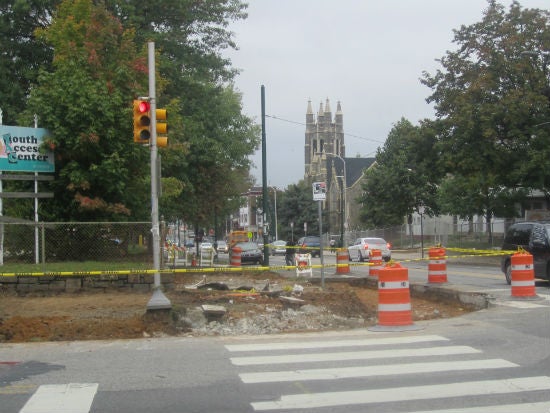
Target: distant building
[325,161]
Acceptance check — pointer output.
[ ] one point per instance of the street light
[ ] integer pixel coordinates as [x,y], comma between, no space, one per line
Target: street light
[342,196]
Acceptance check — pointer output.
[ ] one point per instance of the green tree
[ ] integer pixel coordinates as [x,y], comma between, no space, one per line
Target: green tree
[100,173]
[208,133]
[22,53]
[404,178]
[211,140]
[297,206]
[490,99]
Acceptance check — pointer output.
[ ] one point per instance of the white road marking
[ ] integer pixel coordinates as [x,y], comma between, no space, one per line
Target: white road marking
[327,344]
[505,408]
[369,371]
[61,398]
[520,304]
[346,398]
[353,355]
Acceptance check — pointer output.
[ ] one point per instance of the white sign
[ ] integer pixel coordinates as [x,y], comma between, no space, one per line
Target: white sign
[319,191]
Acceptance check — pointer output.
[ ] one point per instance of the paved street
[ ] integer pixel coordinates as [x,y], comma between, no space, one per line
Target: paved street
[482,361]
[493,360]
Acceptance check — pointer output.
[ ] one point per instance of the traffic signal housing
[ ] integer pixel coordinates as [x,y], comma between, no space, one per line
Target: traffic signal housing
[142,121]
[162,127]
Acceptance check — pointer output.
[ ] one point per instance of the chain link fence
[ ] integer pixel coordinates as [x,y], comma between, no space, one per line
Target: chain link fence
[131,242]
[48,242]
[435,231]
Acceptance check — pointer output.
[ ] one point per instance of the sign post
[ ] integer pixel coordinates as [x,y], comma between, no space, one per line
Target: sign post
[319,195]
[22,149]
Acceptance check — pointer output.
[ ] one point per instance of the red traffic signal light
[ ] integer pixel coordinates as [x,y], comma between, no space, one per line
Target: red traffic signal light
[142,121]
[143,106]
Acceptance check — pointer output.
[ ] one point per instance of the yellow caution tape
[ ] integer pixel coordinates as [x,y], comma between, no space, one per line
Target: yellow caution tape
[464,254]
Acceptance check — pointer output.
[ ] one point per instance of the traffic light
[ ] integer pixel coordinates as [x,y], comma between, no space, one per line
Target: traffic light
[162,128]
[142,121]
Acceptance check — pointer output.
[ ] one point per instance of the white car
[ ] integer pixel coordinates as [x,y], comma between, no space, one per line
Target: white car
[361,250]
[206,246]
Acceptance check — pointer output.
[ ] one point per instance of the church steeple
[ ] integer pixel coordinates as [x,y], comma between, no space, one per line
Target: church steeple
[309,109]
[323,135]
[327,106]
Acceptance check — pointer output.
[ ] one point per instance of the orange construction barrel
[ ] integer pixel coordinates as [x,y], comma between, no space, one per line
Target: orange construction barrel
[437,265]
[523,275]
[342,261]
[236,256]
[394,299]
[375,262]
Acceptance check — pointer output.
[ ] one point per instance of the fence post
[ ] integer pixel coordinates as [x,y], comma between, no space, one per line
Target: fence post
[43,237]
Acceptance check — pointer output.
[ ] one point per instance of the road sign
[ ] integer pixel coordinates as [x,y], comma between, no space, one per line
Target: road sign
[319,191]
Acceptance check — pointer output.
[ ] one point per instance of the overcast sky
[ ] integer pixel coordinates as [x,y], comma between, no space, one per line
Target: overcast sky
[366,54]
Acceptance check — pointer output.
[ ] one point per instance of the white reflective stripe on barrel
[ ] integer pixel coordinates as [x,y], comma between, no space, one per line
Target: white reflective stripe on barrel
[431,272]
[432,261]
[520,267]
[394,307]
[388,285]
[523,283]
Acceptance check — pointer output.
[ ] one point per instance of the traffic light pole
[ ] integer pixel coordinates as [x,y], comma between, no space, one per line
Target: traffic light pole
[158,301]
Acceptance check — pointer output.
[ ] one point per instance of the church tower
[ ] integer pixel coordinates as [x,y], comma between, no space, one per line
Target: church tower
[323,136]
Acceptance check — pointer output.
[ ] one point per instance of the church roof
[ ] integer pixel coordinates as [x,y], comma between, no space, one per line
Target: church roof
[354,168]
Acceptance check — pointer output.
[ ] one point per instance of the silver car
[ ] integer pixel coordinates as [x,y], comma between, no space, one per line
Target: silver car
[361,250]
[278,247]
[223,247]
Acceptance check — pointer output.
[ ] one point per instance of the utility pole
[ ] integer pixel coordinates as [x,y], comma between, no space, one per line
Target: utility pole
[264,183]
[158,301]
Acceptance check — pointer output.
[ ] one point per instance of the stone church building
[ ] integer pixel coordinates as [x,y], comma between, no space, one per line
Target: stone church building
[325,161]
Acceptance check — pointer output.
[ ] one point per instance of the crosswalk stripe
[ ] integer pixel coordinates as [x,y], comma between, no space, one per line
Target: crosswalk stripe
[327,344]
[370,371]
[61,398]
[353,355]
[504,408]
[520,304]
[437,391]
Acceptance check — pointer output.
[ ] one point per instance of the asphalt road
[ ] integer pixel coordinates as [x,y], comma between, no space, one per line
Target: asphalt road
[497,358]
[493,360]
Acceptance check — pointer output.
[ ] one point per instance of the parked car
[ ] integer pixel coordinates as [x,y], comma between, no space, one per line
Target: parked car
[361,249]
[533,237]
[309,245]
[278,247]
[206,246]
[251,252]
[223,247]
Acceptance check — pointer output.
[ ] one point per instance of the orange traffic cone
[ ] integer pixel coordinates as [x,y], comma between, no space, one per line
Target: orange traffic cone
[375,263]
[523,276]
[342,261]
[394,300]
[437,266]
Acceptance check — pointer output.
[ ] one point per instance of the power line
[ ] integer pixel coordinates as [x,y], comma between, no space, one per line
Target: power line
[303,124]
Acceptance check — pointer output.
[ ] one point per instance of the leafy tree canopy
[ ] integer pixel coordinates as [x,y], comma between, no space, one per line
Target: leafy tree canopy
[93,61]
[297,207]
[404,177]
[490,100]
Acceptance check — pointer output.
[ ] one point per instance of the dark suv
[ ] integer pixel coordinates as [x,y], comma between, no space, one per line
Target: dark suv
[309,245]
[533,237]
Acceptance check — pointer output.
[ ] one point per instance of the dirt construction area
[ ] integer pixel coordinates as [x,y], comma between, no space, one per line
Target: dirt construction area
[224,304]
